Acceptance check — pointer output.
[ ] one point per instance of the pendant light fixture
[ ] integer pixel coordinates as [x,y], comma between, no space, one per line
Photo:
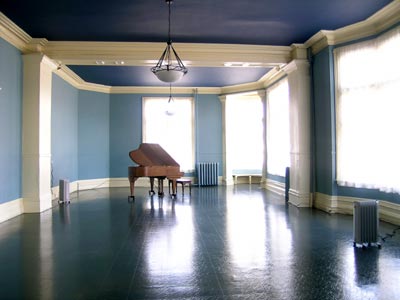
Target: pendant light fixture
[170,67]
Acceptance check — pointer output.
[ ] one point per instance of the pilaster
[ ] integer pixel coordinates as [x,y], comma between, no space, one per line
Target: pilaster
[300,132]
[263,96]
[36,132]
[227,178]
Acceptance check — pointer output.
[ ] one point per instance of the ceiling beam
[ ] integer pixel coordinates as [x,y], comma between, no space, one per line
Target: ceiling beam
[147,54]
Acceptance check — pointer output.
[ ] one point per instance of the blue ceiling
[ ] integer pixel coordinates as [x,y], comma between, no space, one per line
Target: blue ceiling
[142,76]
[259,22]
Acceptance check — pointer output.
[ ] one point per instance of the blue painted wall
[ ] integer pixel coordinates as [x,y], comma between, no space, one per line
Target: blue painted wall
[93,135]
[125,131]
[10,122]
[324,110]
[209,130]
[64,131]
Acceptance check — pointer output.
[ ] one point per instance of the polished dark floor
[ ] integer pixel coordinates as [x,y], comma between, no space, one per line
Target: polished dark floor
[235,243]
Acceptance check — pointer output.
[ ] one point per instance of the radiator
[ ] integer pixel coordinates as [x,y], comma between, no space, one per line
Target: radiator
[63,191]
[207,173]
[366,222]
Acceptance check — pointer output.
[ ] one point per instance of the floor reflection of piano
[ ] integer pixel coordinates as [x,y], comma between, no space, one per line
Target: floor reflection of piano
[154,162]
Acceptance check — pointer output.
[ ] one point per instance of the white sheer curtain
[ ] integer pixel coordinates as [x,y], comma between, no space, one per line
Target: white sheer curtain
[244,128]
[278,135]
[171,125]
[368,113]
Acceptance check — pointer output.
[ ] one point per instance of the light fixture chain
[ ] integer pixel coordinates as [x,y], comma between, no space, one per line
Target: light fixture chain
[165,69]
[169,21]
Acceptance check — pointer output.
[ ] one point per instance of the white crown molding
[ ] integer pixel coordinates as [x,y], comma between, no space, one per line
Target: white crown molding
[242,88]
[162,90]
[73,79]
[295,65]
[273,76]
[10,32]
[195,55]
[147,54]
[378,22]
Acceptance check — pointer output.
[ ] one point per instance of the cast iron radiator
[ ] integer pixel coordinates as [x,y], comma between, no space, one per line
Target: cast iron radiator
[207,173]
[366,222]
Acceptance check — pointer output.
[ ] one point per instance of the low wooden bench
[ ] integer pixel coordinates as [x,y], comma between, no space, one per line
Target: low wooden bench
[183,182]
[235,177]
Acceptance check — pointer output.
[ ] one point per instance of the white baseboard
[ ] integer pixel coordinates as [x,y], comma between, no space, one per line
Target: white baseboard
[37,204]
[119,182]
[11,209]
[81,185]
[388,212]
[73,187]
[274,186]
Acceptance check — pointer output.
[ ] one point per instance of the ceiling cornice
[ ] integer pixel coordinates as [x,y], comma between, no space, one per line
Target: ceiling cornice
[378,22]
[10,32]
[69,76]
[164,90]
[147,54]
[204,55]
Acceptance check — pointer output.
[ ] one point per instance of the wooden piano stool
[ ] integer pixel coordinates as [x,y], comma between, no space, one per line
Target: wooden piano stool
[183,182]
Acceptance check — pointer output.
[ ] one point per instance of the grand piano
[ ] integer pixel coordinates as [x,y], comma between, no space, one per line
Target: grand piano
[154,162]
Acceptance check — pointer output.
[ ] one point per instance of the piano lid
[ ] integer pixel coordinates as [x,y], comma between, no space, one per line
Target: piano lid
[152,155]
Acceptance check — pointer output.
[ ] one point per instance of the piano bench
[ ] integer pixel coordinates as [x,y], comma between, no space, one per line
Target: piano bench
[183,182]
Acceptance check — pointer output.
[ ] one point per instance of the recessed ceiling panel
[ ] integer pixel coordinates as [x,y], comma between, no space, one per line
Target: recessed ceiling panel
[142,76]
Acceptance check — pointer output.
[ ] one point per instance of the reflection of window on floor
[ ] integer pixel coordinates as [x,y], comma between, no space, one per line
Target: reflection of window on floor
[278,135]
[244,130]
[172,126]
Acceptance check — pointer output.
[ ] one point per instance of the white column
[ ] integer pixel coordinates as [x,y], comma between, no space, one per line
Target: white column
[263,96]
[300,132]
[227,169]
[36,132]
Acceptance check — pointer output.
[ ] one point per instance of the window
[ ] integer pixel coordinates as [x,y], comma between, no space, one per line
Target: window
[171,125]
[244,130]
[367,113]
[278,135]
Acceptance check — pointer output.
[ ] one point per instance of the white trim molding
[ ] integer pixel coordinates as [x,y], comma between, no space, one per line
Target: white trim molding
[196,55]
[274,186]
[10,32]
[146,54]
[378,22]
[11,209]
[388,211]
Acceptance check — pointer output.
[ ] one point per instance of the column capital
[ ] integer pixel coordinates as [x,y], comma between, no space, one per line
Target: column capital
[39,58]
[222,98]
[296,65]
[262,94]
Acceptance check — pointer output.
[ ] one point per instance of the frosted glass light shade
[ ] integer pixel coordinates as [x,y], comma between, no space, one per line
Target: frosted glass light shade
[169,75]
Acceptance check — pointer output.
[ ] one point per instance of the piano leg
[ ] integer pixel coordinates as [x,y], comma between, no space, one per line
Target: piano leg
[151,192]
[173,181]
[160,186]
[132,180]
